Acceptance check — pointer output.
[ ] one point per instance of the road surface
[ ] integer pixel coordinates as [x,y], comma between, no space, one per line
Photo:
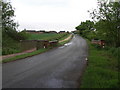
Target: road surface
[58,68]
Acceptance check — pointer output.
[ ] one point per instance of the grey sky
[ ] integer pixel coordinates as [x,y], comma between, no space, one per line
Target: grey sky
[52,14]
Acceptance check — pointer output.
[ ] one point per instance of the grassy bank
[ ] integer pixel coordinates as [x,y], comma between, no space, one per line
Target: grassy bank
[66,41]
[24,55]
[47,36]
[32,53]
[64,37]
[14,46]
[10,46]
[102,69]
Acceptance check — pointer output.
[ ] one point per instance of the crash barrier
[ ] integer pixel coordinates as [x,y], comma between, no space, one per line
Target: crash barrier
[38,44]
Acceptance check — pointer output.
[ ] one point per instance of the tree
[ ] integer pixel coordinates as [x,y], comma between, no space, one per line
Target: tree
[87,25]
[107,18]
[8,25]
[85,28]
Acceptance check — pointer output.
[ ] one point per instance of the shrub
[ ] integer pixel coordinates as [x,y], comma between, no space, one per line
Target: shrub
[8,50]
[23,35]
[114,51]
[96,46]
[107,48]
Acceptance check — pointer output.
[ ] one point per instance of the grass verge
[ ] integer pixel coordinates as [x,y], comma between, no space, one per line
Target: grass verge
[24,55]
[66,36]
[32,53]
[102,70]
[66,41]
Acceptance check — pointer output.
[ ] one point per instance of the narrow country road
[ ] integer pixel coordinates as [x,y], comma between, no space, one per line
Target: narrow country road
[58,68]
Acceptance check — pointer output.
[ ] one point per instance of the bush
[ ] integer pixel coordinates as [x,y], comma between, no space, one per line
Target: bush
[6,51]
[23,35]
[96,46]
[115,52]
[9,46]
[107,48]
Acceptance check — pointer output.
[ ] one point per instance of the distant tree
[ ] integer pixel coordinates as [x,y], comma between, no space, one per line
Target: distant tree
[85,27]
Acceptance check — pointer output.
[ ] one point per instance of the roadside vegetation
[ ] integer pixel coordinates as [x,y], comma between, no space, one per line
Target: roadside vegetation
[14,46]
[103,63]
[66,41]
[64,37]
[24,55]
[102,69]
[34,52]
[105,24]
[10,37]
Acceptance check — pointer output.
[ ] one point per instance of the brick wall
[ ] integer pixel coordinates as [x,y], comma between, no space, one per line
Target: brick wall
[38,44]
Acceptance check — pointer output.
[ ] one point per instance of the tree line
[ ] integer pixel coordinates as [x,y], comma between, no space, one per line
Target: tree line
[105,24]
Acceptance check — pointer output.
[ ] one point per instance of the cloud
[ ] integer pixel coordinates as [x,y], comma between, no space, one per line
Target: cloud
[55,14]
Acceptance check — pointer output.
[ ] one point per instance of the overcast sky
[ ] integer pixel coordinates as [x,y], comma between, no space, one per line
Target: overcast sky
[52,14]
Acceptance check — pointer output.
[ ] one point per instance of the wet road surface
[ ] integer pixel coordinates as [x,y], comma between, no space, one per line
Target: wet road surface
[58,68]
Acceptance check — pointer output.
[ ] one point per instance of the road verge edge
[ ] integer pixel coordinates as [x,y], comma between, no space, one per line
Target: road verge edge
[18,57]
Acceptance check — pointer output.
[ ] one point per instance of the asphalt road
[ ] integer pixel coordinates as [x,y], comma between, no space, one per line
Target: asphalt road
[58,68]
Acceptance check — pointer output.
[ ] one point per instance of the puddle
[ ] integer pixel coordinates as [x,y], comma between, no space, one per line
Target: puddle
[67,44]
[62,47]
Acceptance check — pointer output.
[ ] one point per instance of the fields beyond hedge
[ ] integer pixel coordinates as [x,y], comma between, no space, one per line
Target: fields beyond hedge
[46,36]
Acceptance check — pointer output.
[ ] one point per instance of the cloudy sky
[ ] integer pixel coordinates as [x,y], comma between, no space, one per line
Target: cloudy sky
[52,14]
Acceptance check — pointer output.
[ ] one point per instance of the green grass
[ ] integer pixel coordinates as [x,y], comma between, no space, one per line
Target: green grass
[62,43]
[102,70]
[10,46]
[64,37]
[46,36]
